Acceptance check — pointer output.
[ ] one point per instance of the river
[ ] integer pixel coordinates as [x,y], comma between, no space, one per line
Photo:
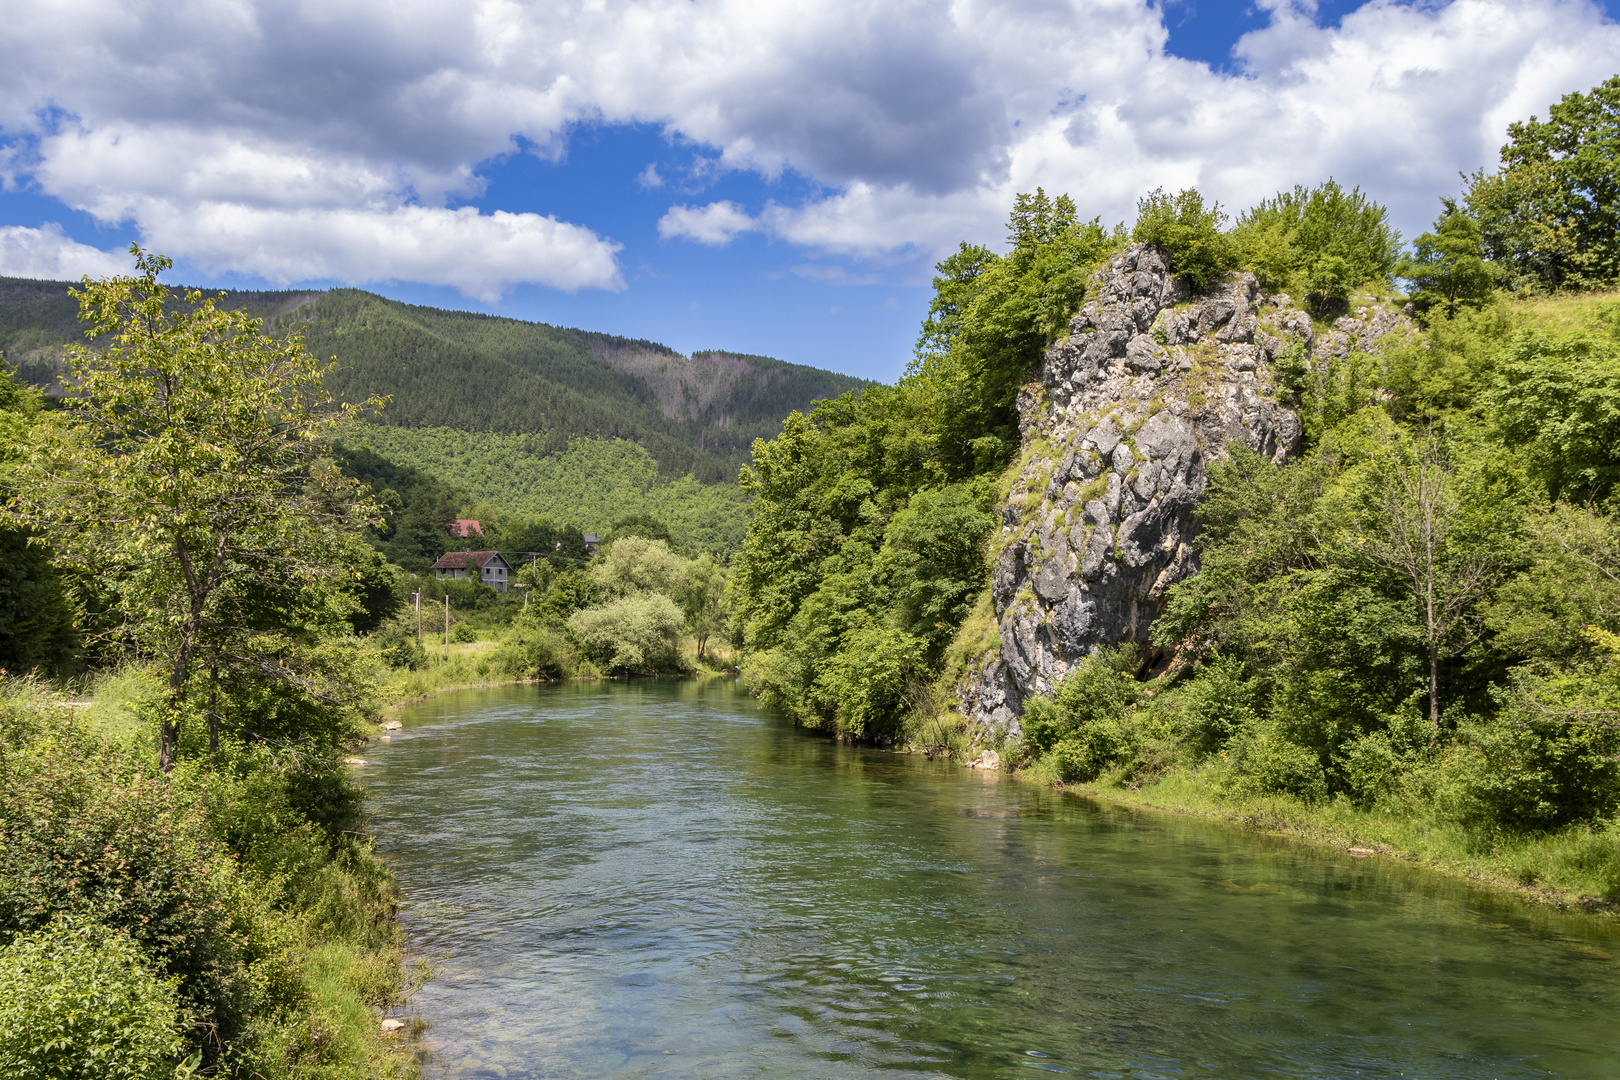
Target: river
[662,879]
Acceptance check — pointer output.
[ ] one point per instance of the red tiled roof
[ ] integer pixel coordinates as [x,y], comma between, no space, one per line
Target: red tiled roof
[465,527]
[458,560]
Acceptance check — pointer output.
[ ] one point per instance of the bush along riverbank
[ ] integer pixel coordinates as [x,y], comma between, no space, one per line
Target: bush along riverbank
[228,918]
[638,608]
[1195,745]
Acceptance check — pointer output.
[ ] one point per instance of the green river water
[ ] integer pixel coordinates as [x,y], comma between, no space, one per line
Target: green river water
[661,879]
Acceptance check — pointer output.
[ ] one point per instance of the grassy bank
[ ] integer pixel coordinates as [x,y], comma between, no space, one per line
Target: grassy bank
[1575,867]
[489,662]
[229,918]
[1578,867]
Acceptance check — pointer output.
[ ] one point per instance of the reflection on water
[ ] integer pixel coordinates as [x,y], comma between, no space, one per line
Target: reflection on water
[660,879]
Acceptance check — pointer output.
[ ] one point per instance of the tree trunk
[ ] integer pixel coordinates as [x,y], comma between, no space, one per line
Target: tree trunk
[168,738]
[169,730]
[1434,694]
[213,713]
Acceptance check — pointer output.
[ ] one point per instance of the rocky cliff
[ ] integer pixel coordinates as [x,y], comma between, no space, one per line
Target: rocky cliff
[1151,384]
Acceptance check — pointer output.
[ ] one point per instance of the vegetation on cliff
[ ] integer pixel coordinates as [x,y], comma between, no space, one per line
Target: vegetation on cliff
[866,549]
[1408,625]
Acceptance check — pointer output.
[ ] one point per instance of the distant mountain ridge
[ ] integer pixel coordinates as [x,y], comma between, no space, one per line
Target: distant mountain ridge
[476,372]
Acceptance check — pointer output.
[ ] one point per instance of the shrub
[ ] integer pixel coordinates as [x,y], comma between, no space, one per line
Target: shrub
[400,649]
[1371,766]
[1519,773]
[1096,747]
[1324,240]
[470,594]
[1262,760]
[536,652]
[869,678]
[463,633]
[1187,232]
[1217,705]
[636,633]
[79,1002]
[1100,687]
[85,833]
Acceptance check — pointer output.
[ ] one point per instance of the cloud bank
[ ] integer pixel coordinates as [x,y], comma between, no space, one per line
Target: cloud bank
[290,140]
[48,255]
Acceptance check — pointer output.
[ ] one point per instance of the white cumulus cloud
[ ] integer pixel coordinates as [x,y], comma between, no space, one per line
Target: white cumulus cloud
[716,223]
[479,254]
[48,254]
[262,132]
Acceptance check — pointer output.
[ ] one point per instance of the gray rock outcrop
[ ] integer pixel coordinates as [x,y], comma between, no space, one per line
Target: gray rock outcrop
[1151,384]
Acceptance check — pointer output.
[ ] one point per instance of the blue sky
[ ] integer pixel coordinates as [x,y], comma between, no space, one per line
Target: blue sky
[715,174]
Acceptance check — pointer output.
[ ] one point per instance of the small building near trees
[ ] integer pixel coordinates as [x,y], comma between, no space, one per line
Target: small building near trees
[486,567]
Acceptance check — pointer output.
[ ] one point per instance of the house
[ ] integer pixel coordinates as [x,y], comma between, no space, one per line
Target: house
[591,542]
[485,566]
[462,528]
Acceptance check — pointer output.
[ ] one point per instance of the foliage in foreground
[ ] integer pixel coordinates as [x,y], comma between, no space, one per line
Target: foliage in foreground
[195,919]
[207,909]
[78,999]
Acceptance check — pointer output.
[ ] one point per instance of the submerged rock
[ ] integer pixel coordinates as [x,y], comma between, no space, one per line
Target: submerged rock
[1151,383]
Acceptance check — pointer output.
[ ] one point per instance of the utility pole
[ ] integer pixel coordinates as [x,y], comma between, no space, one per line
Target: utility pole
[447,625]
[418,617]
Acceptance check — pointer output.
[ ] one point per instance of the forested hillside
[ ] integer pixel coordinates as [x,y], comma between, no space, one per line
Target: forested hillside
[594,483]
[480,373]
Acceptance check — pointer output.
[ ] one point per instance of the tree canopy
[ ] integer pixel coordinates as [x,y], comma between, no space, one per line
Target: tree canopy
[1550,212]
[187,487]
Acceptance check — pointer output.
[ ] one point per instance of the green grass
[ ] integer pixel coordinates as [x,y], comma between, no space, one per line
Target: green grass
[113,697]
[469,664]
[1563,312]
[1575,867]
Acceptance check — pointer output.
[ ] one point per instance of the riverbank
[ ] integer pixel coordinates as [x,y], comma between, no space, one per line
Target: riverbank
[487,663]
[260,924]
[1574,869]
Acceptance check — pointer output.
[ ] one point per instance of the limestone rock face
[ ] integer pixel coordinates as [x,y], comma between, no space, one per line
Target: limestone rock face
[1151,384]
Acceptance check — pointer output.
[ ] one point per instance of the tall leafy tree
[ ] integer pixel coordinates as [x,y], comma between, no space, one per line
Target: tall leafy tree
[188,480]
[1187,231]
[1441,545]
[1550,213]
[36,616]
[1448,265]
[1556,402]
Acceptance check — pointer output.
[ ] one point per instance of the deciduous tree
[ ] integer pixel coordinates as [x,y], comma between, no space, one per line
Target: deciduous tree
[188,481]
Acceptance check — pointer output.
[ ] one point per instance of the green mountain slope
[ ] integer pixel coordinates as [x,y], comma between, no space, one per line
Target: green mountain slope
[593,484]
[481,373]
